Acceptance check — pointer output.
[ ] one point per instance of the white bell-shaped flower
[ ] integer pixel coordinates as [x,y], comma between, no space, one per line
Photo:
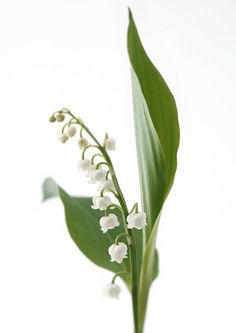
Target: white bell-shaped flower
[96,175]
[83,143]
[100,175]
[110,144]
[70,131]
[111,290]
[90,173]
[106,185]
[84,165]
[101,203]
[109,222]
[118,252]
[62,137]
[136,220]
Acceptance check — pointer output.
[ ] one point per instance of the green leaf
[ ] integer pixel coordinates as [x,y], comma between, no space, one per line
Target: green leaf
[156,124]
[83,226]
[157,140]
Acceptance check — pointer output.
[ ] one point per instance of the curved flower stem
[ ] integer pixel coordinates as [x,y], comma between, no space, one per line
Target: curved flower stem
[113,192]
[81,132]
[134,208]
[94,156]
[130,241]
[113,206]
[63,128]
[86,148]
[102,163]
[118,274]
[129,233]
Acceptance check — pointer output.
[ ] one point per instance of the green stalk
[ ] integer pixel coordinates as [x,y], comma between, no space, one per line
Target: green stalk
[121,199]
[134,272]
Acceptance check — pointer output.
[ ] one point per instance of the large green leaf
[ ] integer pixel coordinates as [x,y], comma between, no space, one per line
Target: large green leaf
[83,225]
[156,124]
[157,140]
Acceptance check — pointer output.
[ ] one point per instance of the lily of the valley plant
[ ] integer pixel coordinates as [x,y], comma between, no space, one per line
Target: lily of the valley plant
[114,236]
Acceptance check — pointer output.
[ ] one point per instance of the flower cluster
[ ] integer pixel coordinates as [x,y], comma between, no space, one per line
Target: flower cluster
[109,193]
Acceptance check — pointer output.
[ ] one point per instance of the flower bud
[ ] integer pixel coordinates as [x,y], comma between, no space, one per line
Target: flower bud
[52,119]
[83,143]
[110,144]
[70,131]
[62,137]
[118,252]
[60,117]
[136,220]
[109,222]
[101,203]
[111,290]
[84,165]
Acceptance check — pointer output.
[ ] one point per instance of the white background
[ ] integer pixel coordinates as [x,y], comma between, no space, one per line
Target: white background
[72,53]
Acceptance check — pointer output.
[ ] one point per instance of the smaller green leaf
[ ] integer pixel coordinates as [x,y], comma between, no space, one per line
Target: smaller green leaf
[83,226]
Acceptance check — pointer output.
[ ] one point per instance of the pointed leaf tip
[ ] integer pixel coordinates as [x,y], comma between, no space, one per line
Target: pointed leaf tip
[49,189]
[130,14]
